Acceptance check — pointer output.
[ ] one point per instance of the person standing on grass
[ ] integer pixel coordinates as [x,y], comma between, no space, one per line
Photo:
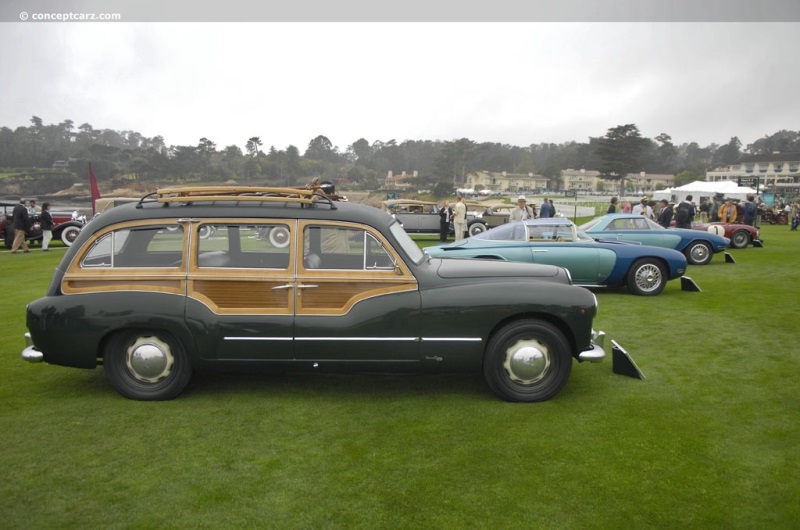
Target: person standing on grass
[665,216]
[460,218]
[795,214]
[47,226]
[612,208]
[445,216]
[21,224]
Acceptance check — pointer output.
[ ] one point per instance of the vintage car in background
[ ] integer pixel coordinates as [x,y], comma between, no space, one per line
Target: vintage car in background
[740,235]
[557,241]
[65,228]
[699,247]
[291,280]
[422,217]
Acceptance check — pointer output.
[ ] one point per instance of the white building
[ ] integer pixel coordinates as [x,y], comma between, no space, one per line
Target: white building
[776,172]
[505,182]
[590,181]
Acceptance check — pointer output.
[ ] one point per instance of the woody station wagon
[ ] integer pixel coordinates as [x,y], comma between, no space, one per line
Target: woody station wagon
[294,280]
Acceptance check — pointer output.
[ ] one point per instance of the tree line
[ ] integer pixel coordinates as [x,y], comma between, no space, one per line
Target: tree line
[127,155]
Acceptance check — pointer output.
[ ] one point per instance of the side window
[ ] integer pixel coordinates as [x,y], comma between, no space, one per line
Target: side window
[261,246]
[149,246]
[340,248]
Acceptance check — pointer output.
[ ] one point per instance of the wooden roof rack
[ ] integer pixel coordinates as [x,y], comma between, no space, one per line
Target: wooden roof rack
[304,196]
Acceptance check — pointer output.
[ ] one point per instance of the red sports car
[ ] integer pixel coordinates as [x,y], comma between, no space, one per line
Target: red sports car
[740,235]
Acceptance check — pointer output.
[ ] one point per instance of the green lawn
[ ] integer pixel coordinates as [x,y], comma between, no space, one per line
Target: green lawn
[711,439]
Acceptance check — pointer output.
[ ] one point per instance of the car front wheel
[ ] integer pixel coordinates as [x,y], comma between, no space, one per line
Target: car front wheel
[646,277]
[698,253]
[740,239]
[69,234]
[146,365]
[526,361]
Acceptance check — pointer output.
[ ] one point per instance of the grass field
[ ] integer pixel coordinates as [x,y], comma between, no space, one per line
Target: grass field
[710,439]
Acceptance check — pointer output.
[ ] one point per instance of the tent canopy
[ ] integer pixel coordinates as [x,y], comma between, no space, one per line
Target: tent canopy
[700,189]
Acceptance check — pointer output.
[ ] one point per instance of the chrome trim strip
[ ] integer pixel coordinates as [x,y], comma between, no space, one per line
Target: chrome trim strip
[354,339]
[452,339]
[258,338]
[359,339]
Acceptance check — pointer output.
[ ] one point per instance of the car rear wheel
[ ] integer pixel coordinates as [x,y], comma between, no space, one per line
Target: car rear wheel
[526,361]
[740,239]
[146,365]
[69,234]
[698,253]
[646,277]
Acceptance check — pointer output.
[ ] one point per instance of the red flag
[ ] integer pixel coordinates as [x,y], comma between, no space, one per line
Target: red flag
[95,189]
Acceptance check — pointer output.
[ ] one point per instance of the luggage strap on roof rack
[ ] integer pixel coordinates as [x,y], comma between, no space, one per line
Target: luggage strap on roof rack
[305,196]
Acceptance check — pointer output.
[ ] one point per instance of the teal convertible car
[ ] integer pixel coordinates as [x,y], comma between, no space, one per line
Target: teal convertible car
[698,246]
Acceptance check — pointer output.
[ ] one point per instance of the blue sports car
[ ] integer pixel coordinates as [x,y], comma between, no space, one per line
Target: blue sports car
[557,241]
[697,246]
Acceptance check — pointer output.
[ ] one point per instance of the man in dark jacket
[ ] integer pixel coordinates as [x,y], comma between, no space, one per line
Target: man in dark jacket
[665,217]
[21,224]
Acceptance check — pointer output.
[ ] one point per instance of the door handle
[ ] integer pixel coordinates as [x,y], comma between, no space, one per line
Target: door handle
[307,286]
[282,287]
[540,250]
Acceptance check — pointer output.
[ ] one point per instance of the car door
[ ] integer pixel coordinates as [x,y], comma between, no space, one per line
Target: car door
[240,289]
[640,231]
[555,245]
[356,300]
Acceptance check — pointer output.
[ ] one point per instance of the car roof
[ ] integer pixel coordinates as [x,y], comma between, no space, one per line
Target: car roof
[550,221]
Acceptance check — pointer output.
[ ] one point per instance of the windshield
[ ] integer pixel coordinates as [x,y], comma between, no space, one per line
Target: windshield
[505,232]
[406,243]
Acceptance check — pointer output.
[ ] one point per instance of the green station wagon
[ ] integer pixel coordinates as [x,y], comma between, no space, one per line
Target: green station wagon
[284,279]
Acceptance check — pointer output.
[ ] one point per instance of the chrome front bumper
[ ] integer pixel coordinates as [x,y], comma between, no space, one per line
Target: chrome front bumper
[598,352]
[30,353]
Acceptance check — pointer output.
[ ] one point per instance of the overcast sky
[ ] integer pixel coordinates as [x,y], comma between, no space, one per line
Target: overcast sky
[514,83]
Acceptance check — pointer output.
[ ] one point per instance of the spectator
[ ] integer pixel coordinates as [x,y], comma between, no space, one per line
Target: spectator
[522,211]
[546,209]
[445,216]
[665,217]
[750,211]
[612,208]
[47,226]
[460,218]
[795,214]
[727,212]
[626,207]
[684,213]
[642,208]
[21,225]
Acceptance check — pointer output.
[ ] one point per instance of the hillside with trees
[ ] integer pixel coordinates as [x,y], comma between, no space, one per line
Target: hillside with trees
[54,157]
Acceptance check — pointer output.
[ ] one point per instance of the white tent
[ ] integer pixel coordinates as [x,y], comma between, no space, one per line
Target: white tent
[701,189]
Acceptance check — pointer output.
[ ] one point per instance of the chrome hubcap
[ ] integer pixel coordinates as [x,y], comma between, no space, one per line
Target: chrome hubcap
[527,361]
[149,359]
[648,277]
[699,252]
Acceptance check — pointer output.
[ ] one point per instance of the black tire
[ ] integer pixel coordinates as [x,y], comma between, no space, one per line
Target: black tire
[646,277]
[698,253]
[69,234]
[146,365]
[527,361]
[476,228]
[740,239]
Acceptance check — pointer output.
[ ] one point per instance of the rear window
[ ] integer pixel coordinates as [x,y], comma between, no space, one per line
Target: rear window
[148,246]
